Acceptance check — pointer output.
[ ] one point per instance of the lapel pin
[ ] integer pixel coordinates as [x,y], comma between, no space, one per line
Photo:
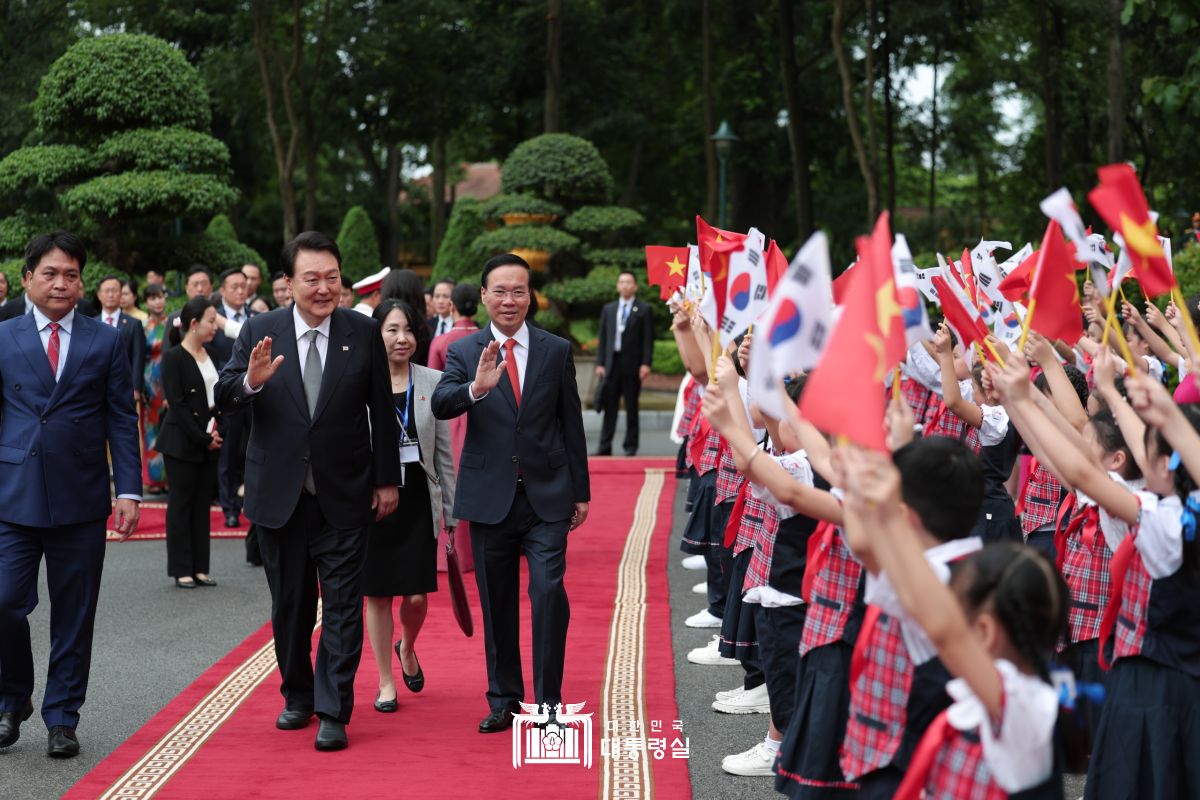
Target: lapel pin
[345,347]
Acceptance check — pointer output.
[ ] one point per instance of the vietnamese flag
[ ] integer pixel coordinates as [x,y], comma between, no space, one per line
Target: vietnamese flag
[777,265]
[1120,200]
[845,393]
[666,267]
[1016,284]
[962,318]
[1054,308]
[841,285]
[968,274]
[715,247]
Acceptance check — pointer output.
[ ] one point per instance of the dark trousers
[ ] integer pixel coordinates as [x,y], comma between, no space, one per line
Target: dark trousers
[189,497]
[497,550]
[621,381]
[306,553]
[231,468]
[74,562]
[779,630]
[253,553]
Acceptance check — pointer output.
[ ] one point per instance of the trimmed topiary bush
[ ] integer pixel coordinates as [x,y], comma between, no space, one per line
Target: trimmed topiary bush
[496,207]
[358,244]
[601,220]
[45,165]
[624,257]
[455,258]
[220,227]
[558,167]
[215,252]
[513,237]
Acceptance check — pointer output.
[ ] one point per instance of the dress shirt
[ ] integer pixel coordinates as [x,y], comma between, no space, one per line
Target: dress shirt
[520,353]
[232,314]
[444,324]
[28,304]
[302,329]
[623,306]
[111,318]
[232,326]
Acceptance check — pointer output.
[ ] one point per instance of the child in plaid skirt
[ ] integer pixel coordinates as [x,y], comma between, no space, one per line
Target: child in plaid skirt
[1148,740]
[994,626]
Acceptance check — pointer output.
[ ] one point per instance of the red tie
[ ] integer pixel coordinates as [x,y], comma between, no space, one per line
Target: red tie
[1024,495]
[1062,528]
[514,377]
[52,349]
[817,553]
[858,659]
[112,322]
[1117,569]
[735,516]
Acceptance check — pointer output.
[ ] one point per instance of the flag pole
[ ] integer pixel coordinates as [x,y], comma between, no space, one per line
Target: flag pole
[896,383]
[1110,324]
[992,350]
[1181,304]
[1025,324]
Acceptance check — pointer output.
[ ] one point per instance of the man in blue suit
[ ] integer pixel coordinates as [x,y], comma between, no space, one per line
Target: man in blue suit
[66,401]
[522,481]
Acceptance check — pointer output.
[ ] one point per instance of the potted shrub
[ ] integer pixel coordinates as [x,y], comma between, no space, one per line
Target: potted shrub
[522,209]
[534,243]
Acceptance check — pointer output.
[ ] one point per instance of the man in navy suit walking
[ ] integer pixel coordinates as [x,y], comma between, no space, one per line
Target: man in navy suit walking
[522,481]
[66,401]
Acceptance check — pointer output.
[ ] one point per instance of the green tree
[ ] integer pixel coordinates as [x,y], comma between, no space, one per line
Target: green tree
[455,258]
[122,153]
[358,244]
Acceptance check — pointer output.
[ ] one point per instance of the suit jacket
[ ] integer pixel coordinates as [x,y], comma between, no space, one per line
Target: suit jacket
[437,457]
[184,430]
[55,438]
[638,338]
[221,346]
[16,307]
[133,342]
[351,439]
[543,438]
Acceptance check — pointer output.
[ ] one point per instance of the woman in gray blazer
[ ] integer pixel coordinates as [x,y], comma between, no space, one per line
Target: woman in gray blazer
[402,547]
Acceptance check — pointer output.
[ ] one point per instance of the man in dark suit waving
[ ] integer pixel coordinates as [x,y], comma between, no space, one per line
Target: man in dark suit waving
[66,401]
[522,481]
[623,358]
[323,455]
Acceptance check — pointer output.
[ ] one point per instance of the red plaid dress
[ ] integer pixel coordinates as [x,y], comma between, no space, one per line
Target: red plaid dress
[729,480]
[945,422]
[959,771]
[691,407]
[1086,571]
[1040,498]
[834,591]
[759,527]
[922,400]
[1130,629]
[878,699]
[710,454]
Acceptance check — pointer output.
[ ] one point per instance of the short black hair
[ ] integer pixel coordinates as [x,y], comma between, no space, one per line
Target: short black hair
[465,298]
[346,282]
[230,272]
[314,241]
[630,273]
[107,278]
[502,260]
[197,268]
[941,479]
[66,241]
[153,290]
[416,322]
[277,274]
[449,281]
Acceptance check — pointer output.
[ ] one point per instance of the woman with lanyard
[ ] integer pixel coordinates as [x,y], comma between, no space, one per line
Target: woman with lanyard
[402,547]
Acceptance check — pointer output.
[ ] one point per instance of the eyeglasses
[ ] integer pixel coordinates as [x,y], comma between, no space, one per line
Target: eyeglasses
[516,294]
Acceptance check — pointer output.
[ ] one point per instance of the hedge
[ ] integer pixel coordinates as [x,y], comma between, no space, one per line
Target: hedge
[149,193]
[602,219]
[358,244]
[667,360]
[558,167]
[47,165]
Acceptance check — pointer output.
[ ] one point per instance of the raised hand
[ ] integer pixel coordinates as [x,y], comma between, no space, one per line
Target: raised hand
[1011,381]
[1150,399]
[488,373]
[716,409]
[899,421]
[743,352]
[942,343]
[1129,312]
[261,367]
[1038,348]
[1155,317]
[872,483]
[1103,369]
[726,372]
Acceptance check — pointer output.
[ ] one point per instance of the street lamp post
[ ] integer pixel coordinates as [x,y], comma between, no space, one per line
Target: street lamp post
[723,139]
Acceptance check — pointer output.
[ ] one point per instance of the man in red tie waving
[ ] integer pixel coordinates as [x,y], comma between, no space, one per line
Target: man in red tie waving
[522,480]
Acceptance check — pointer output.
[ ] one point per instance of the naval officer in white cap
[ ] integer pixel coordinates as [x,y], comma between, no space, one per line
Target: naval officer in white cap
[368,291]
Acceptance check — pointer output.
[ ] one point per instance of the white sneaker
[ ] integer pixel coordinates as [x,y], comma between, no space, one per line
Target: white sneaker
[702,619]
[750,701]
[694,562]
[710,655]
[758,760]
[701,587]
[728,693]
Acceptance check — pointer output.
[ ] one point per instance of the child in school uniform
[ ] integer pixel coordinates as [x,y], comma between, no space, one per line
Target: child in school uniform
[1147,743]
[994,626]
[831,586]
[997,439]
[897,682]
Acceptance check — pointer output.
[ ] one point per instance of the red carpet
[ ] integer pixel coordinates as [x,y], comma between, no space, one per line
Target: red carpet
[217,738]
[152,525]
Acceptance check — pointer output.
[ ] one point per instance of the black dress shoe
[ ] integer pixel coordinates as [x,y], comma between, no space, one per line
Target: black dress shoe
[630,453]
[205,582]
[10,724]
[62,742]
[331,735]
[602,453]
[415,683]
[499,720]
[233,520]
[386,706]
[290,720]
